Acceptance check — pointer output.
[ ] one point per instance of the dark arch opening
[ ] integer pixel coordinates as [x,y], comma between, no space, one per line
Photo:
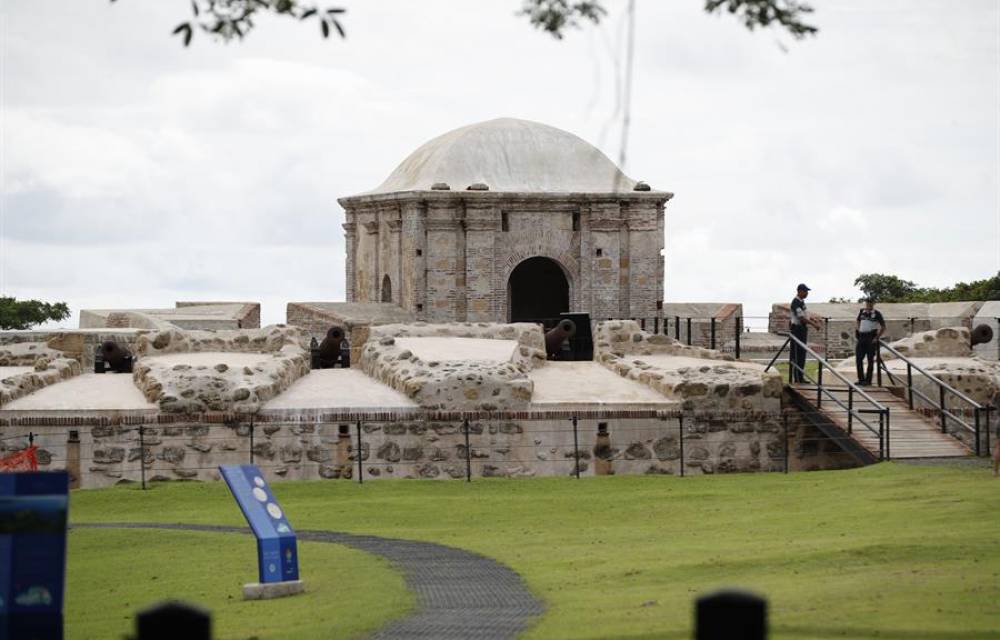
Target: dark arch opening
[386,289]
[537,290]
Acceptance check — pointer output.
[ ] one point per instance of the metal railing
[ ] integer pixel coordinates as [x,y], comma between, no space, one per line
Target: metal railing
[940,405]
[853,413]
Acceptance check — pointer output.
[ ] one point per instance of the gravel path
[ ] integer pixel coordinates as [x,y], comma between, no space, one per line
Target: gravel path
[459,594]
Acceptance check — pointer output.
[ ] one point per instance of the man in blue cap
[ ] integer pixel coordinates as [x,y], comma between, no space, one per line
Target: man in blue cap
[799,322]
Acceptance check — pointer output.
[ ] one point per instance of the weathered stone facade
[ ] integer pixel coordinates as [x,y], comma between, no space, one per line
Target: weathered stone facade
[107,450]
[444,235]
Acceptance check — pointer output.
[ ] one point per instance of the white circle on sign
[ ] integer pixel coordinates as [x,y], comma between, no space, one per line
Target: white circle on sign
[274,510]
[271,568]
[258,481]
[260,494]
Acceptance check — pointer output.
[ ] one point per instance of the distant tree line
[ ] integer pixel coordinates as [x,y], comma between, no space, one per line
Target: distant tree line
[888,288]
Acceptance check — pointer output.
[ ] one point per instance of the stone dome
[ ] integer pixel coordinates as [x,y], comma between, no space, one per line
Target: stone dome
[508,155]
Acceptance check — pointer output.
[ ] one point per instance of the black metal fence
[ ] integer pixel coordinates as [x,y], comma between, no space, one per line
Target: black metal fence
[360,450]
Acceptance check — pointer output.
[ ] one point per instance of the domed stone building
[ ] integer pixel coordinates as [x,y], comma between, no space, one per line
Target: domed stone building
[507,220]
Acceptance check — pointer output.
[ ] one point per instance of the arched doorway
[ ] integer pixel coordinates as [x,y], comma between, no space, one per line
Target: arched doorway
[386,289]
[537,289]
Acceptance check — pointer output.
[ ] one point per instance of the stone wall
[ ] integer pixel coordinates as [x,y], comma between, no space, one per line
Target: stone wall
[717,385]
[185,315]
[79,345]
[459,384]
[989,314]
[354,318]
[447,256]
[183,388]
[674,323]
[902,320]
[107,451]
[47,372]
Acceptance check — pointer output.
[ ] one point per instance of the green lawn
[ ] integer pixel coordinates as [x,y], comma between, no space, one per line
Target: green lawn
[112,573]
[890,550]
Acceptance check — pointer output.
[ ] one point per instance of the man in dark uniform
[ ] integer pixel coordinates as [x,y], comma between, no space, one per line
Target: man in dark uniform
[799,322]
[871,326]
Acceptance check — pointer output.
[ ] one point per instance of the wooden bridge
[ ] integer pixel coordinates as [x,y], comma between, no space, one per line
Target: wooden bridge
[893,418]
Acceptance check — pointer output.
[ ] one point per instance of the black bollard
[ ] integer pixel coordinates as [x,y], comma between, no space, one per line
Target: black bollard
[173,619]
[731,614]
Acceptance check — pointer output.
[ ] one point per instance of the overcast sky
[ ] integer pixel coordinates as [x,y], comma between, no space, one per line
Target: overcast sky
[136,172]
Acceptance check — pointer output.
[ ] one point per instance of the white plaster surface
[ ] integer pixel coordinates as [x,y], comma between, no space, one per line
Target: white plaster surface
[6,372]
[87,392]
[508,154]
[582,383]
[338,388]
[666,361]
[431,349]
[209,359]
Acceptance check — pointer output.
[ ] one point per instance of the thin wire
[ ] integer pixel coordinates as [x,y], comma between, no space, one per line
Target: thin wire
[629,64]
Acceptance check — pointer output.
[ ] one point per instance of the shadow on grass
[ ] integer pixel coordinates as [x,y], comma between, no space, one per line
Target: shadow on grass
[829,632]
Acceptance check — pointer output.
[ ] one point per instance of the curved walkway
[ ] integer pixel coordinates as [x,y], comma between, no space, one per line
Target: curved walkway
[459,594]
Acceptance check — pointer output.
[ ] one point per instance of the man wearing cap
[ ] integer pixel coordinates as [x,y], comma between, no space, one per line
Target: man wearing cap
[799,322]
[871,326]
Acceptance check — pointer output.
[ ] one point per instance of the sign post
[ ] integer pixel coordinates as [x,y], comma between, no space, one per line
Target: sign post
[33,510]
[277,555]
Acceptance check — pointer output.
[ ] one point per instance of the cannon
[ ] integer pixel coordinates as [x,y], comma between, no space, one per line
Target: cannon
[983,334]
[110,356]
[334,350]
[556,339]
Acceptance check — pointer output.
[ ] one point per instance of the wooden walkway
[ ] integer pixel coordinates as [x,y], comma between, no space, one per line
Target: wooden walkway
[911,434]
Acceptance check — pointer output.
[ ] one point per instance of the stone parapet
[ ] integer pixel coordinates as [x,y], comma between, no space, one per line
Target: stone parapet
[47,372]
[110,450]
[456,384]
[183,388]
[701,379]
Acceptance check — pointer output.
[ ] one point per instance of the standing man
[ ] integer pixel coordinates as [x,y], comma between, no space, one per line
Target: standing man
[871,326]
[799,322]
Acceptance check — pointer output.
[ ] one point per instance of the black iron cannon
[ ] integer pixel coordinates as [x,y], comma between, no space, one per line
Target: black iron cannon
[110,356]
[557,340]
[983,334]
[333,351]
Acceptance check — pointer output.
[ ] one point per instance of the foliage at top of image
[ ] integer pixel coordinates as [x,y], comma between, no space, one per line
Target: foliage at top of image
[889,288]
[24,314]
[556,16]
[227,20]
[234,19]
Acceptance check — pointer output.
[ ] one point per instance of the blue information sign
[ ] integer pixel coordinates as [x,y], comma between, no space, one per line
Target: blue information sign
[33,509]
[277,554]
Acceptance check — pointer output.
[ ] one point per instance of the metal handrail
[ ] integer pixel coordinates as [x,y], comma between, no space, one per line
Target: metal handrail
[852,413]
[940,404]
[935,379]
[824,362]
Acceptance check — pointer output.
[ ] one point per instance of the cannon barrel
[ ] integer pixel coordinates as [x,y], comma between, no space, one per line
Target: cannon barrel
[983,334]
[111,355]
[333,350]
[557,336]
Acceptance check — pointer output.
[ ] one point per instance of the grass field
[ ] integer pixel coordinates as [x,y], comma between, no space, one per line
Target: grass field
[890,551]
[111,573]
